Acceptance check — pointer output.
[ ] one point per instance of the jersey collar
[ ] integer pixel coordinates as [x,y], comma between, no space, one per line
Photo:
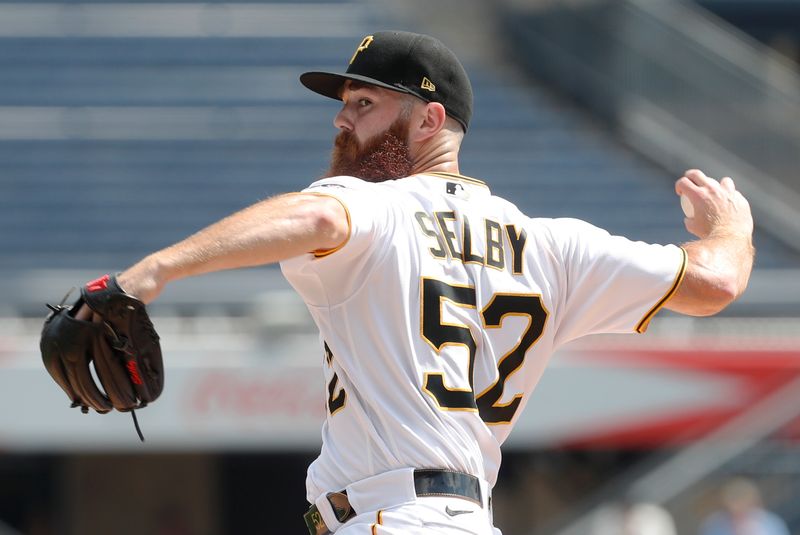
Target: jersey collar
[460,178]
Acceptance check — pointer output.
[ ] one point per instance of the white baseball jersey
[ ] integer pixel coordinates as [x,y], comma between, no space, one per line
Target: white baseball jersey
[439,313]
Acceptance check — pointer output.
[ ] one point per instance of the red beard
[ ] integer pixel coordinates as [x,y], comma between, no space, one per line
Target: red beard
[383,157]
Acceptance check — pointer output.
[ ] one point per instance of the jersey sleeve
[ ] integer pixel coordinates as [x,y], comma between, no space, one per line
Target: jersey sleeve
[330,276]
[611,284]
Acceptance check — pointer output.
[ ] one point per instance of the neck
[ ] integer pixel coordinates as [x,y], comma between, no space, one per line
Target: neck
[440,156]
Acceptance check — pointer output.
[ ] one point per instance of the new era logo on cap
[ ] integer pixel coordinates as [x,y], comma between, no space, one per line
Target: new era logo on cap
[411,63]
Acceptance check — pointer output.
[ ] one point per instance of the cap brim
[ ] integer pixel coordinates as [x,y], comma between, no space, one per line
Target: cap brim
[330,84]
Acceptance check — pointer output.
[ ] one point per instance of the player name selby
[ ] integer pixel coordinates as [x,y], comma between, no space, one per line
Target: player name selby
[441,229]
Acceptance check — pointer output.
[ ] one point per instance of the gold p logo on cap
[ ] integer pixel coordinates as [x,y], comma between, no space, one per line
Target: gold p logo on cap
[365,42]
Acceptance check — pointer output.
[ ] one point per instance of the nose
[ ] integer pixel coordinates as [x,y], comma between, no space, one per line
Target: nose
[342,120]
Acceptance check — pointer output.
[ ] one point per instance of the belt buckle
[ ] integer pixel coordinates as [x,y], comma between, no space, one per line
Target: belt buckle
[341,506]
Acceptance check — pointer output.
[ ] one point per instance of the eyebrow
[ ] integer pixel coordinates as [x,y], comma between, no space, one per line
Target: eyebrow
[353,85]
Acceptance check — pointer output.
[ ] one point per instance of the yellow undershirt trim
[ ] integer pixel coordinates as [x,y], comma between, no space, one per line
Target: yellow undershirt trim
[645,322]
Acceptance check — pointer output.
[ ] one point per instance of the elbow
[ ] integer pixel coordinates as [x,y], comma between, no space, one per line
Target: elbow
[730,286]
[713,279]
[704,295]
[719,296]
[321,221]
[330,224]
[726,294]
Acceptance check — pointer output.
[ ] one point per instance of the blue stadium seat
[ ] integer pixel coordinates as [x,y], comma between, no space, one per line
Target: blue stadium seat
[88,187]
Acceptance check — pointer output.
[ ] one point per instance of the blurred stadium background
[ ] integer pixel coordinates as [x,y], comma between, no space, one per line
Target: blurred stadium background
[126,126]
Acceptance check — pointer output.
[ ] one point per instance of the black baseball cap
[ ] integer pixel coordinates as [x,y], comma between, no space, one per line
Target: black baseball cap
[411,63]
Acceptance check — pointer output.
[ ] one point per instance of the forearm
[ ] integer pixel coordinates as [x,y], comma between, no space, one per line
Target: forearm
[264,233]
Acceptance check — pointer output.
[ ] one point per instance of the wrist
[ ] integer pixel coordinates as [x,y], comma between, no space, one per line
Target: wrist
[146,279]
[727,232]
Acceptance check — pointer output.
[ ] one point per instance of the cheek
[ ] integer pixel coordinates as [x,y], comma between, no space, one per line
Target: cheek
[363,136]
[372,125]
[360,137]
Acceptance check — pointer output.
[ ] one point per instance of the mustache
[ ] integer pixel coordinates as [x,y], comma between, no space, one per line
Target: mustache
[347,145]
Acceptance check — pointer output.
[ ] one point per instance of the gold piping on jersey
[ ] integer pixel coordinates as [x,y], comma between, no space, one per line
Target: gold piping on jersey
[447,234]
[451,176]
[645,322]
[468,257]
[442,298]
[519,236]
[325,252]
[525,331]
[378,522]
[441,252]
[339,401]
[494,242]
[438,350]
[433,394]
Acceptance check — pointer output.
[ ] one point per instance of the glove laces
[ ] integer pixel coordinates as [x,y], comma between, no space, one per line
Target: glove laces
[136,425]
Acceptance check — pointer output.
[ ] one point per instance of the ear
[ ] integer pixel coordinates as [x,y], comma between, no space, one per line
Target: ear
[427,121]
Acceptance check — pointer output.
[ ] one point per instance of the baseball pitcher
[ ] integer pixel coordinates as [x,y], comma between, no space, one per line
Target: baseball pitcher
[439,304]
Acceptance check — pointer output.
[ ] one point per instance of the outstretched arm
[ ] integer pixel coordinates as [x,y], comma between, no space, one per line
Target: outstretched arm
[720,262]
[269,231]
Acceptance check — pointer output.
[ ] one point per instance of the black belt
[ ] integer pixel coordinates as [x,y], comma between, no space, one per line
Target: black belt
[427,482]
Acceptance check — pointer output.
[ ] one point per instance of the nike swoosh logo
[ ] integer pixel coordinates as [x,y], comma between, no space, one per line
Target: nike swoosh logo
[456,512]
